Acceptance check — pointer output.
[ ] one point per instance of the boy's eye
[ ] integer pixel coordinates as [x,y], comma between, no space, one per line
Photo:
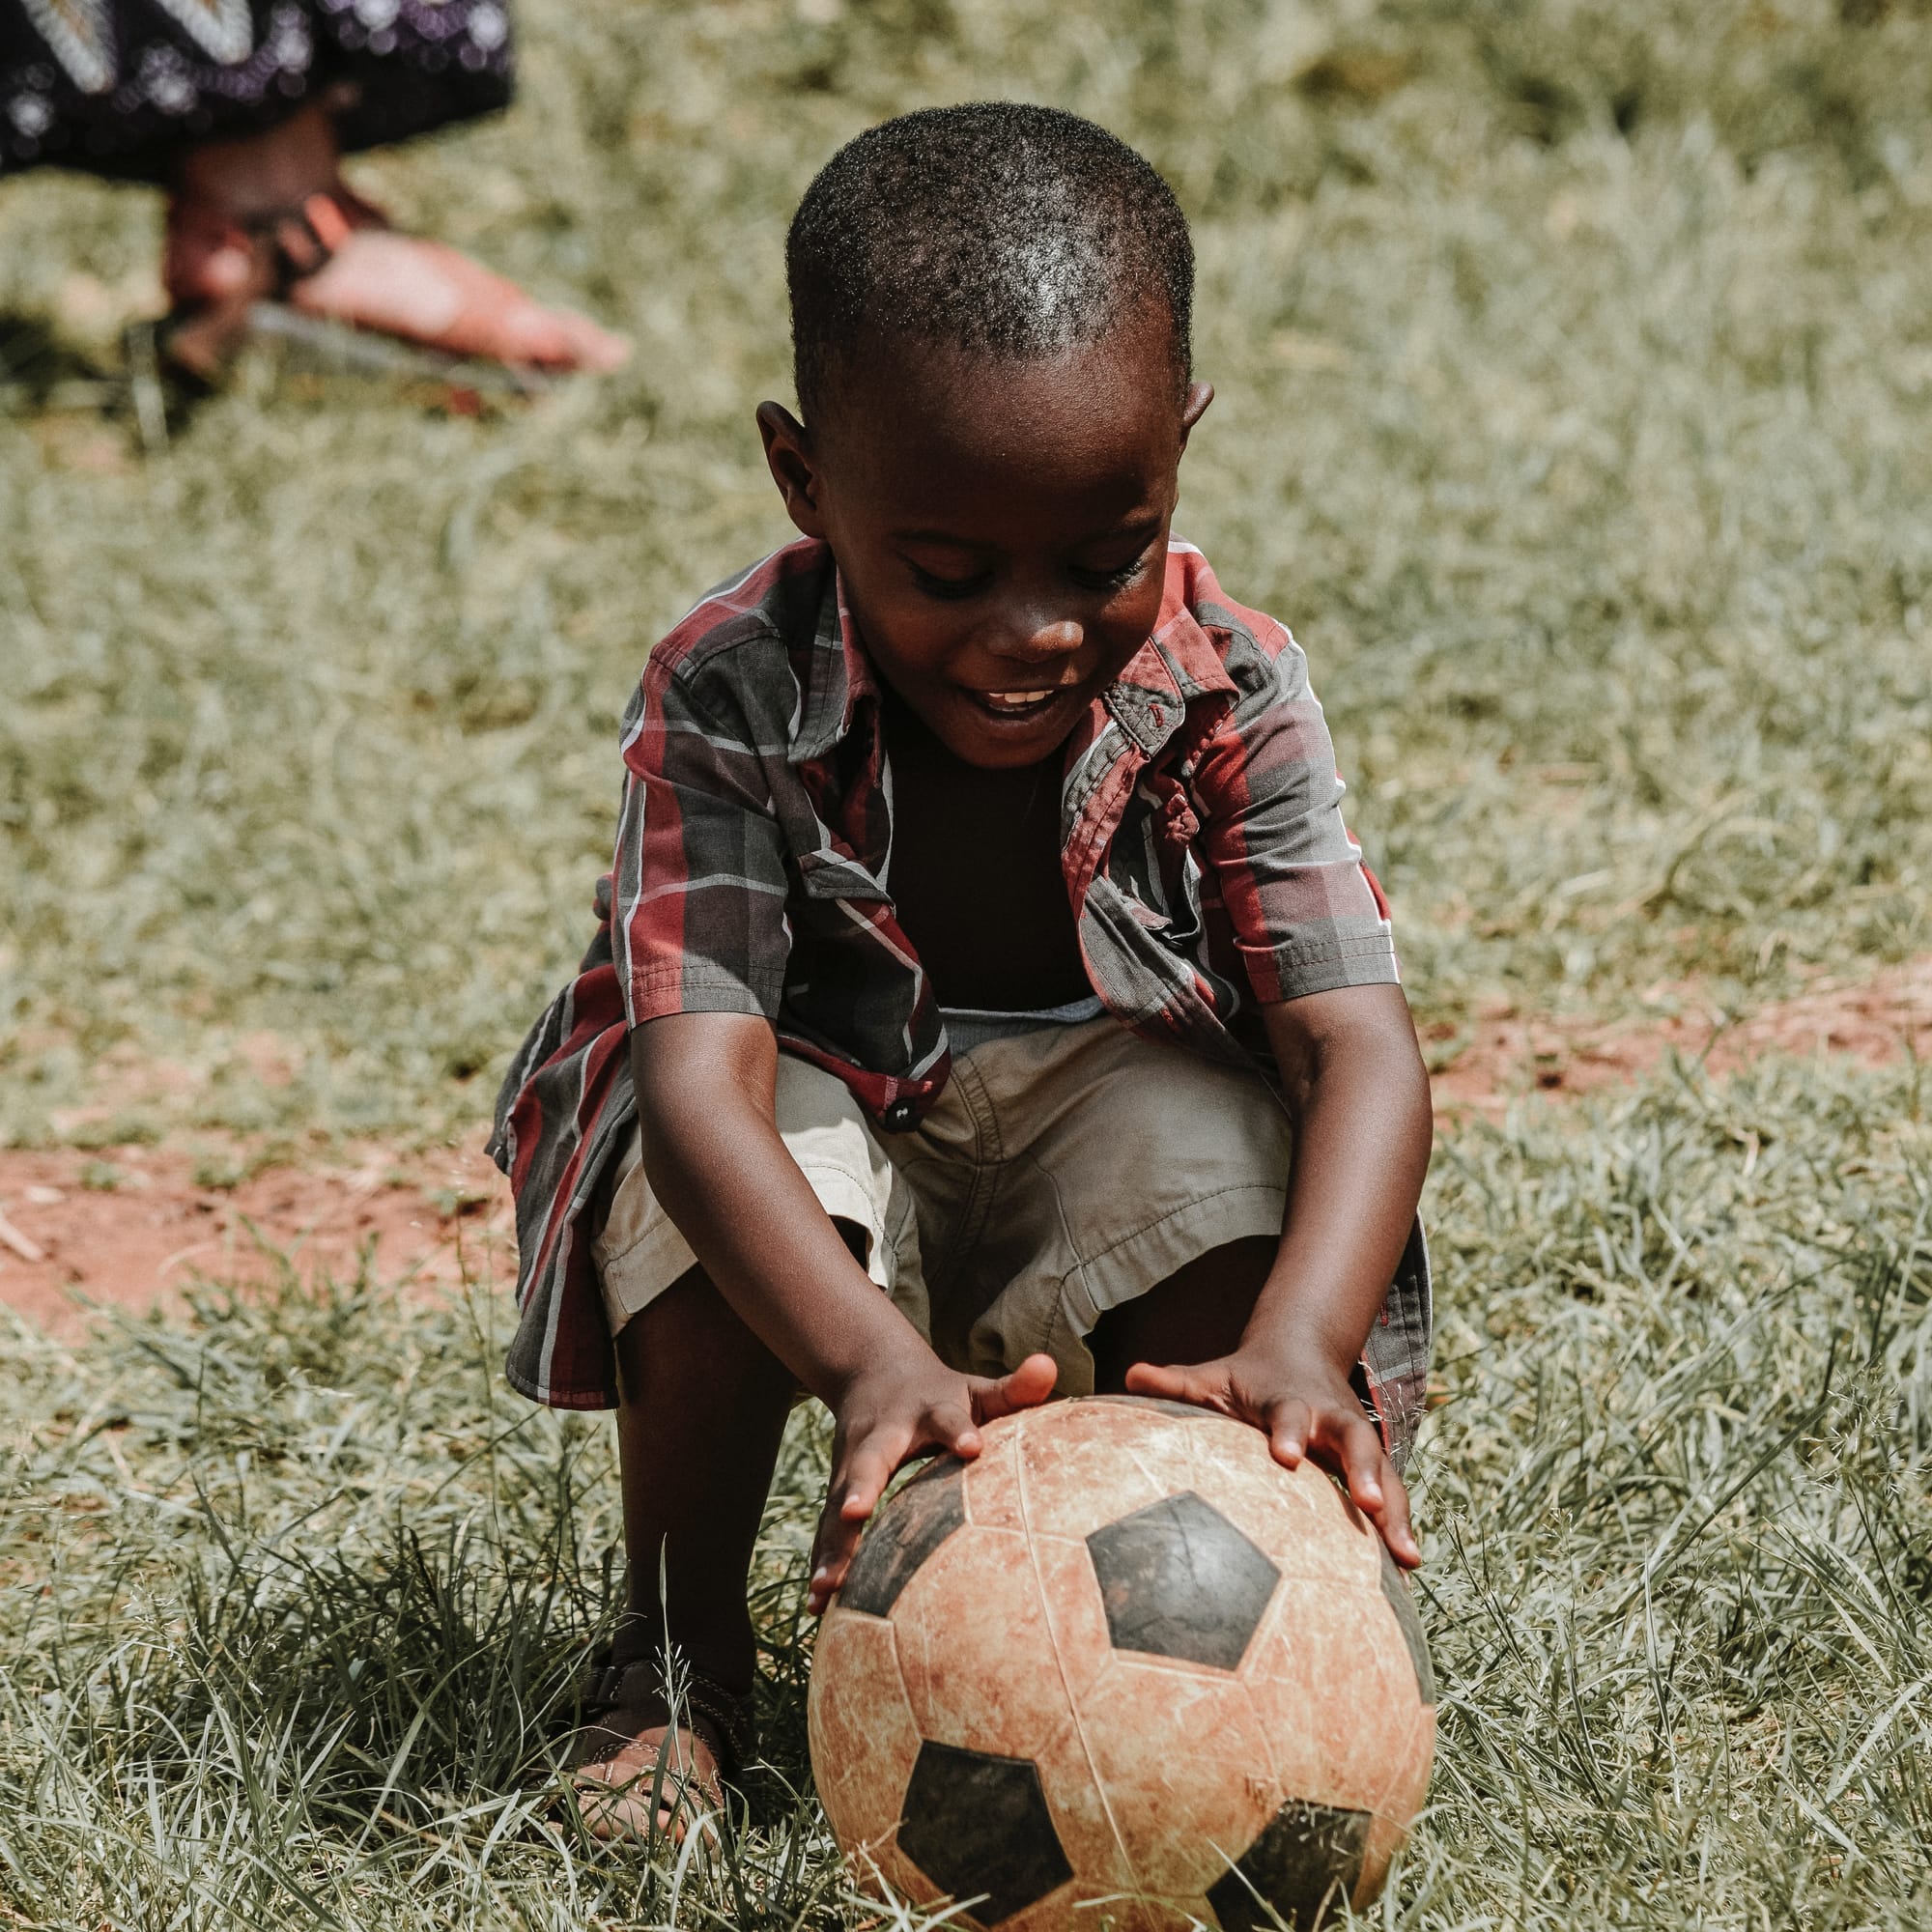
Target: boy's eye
[935,586]
[1117,579]
[937,583]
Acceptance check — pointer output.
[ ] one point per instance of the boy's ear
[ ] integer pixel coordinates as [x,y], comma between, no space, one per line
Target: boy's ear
[1193,407]
[794,470]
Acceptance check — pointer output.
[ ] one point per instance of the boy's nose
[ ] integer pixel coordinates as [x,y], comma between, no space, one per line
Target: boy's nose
[1038,642]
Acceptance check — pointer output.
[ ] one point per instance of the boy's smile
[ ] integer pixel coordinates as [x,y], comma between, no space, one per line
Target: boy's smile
[1001,524]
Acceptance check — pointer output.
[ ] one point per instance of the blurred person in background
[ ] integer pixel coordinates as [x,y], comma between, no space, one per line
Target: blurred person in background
[242,110]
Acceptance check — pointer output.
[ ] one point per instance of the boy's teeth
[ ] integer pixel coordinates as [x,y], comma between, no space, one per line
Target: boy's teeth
[1016,699]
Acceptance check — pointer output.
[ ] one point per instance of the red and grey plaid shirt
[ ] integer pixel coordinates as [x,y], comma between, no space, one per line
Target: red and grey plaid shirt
[1205,854]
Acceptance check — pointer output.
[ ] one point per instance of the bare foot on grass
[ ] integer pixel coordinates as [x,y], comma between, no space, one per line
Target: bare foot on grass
[429,293]
[271,214]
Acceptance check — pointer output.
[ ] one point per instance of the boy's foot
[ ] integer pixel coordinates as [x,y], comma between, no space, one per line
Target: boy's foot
[657,1783]
[632,1773]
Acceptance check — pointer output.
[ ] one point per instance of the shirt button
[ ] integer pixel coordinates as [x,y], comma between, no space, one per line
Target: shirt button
[899,1116]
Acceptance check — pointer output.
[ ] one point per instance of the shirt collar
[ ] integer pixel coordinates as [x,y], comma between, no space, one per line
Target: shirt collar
[1176,666]
[839,678]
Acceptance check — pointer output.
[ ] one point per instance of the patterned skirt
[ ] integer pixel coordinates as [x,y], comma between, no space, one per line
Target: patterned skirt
[118,87]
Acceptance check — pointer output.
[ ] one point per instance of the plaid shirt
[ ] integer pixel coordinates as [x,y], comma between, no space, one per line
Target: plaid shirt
[1204,848]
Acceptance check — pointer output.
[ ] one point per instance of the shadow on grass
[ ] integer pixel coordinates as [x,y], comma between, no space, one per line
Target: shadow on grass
[41,370]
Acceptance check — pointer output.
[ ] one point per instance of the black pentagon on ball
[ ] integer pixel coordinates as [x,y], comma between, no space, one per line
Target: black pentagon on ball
[979,1824]
[1178,1580]
[906,1530]
[1303,1865]
[1395,1589]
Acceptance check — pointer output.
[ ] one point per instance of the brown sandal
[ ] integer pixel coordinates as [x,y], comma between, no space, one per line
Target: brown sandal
[286,245]
[624,1699]
[458,323]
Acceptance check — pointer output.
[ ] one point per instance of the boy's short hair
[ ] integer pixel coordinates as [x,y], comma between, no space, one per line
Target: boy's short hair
[997,227]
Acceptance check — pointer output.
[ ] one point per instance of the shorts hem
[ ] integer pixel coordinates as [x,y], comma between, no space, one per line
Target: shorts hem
[667,1256]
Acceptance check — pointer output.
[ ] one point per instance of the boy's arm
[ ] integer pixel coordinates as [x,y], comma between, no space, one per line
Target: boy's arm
[1358,1094]
[715,1160]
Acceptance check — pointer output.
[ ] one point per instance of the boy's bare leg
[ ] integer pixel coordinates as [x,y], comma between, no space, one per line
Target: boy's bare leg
[1196,1315]
[704,1407]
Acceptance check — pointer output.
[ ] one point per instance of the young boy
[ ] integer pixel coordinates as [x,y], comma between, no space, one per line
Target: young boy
[989,1000]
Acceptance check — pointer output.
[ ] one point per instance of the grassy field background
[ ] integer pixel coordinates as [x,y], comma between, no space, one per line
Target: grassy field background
[1575,408]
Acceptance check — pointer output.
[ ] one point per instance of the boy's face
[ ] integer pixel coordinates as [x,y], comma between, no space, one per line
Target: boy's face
[1001,524]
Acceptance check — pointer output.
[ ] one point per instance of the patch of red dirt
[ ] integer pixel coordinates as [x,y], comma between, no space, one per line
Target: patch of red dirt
[1871,1021]
[130,1226]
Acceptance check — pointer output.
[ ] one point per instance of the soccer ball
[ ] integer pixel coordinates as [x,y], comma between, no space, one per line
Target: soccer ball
[1123,1670]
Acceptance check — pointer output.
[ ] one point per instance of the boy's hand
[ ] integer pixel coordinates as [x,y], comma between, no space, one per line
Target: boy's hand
[1304,1411]
[886,1418]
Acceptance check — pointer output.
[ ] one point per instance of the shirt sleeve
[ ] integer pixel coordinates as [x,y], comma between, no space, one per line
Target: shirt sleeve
[1307,914]
[699,884]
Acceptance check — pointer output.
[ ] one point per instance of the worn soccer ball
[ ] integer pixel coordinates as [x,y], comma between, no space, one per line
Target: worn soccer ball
[1123,1670]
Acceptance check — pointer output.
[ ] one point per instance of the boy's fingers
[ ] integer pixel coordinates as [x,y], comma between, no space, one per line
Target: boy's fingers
[851,1499]
[1152,1379]
[1287,1433]
[1024,1387]
[952,1429]
[1178,1384]
[867,1475]
[1361,1447]
[1354,1447]
[1396,1531]
[831,1558]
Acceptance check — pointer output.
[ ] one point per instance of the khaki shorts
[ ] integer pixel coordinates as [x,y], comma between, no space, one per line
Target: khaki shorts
[1061,1172]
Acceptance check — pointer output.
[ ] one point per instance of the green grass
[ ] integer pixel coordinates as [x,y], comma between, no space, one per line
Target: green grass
[291,1593]
[1575,407]
[1590,467]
